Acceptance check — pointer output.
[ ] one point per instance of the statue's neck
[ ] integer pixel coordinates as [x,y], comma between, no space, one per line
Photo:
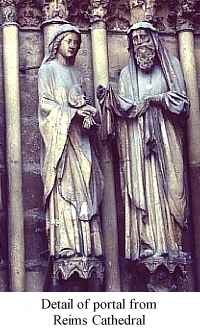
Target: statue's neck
[63,61]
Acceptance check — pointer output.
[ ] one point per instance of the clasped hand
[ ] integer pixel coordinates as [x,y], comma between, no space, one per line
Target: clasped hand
[145,102]
[142,106]
[88,112]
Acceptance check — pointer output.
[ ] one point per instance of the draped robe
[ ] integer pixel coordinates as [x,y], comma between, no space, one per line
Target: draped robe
[73,182]
[151,154]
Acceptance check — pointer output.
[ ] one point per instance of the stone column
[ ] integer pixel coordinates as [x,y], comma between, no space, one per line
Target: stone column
[187,58]
[108,208]
[13,148]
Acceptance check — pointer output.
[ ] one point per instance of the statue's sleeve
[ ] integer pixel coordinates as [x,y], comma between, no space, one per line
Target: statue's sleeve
[175,101]
[176,104]
[54,122]
[49,107]
[112,104]
[107,130]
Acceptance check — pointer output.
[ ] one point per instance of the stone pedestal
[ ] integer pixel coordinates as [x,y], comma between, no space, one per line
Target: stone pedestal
[164,274]
[77,269]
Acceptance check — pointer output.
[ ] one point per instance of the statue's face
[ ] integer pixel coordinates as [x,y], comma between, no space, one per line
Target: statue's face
[69,45]
[140,36]
[144,49]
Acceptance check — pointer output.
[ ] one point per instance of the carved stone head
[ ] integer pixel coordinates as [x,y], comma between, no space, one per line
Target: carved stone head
[144,49]
[62,36]
[140,40]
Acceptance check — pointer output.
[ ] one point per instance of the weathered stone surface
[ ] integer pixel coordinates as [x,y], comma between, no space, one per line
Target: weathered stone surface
[3,237]
[28,96]
[117,60]
[34,281]
[30,50]
[32,190]
[31,142]
[3,278]
[84,63]
[35,242]
[197,56]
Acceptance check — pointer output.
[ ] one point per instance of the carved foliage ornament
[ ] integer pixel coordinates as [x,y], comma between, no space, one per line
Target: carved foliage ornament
[118,15]
[98,9]
[9,10]
[180,15]
[148,6]
[29,14]
[55,9]
[188,14]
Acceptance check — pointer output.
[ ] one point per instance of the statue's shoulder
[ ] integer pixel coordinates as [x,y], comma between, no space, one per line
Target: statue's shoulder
[48,70]
[47,66]
[76,70]
[125,71]
[174,59]
[176,64]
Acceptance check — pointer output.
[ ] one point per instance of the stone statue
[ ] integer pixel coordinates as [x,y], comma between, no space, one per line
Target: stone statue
[148,116]
[73,182]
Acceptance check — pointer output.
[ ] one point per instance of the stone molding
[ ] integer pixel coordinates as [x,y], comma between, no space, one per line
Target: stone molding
[166,15]
[84,266]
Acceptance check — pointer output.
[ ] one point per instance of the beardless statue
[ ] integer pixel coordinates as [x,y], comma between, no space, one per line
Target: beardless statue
[73,182]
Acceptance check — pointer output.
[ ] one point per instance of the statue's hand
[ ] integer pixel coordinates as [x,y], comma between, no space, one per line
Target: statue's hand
[154,99]
[100,91]
[142,106]
[88,122]
[87,110]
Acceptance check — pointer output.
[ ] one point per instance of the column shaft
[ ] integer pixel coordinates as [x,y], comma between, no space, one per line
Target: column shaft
[108,208]
[13,155]
[187,57]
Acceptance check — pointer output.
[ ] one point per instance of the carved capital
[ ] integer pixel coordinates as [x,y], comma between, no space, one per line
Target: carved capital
[144,9]
[136,3]
[150,7]
[98,10]
[185,15]
[9,10]
[29,14]
[118,16]
[55,9]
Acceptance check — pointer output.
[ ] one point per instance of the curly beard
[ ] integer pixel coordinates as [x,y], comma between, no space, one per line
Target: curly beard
[145,56]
